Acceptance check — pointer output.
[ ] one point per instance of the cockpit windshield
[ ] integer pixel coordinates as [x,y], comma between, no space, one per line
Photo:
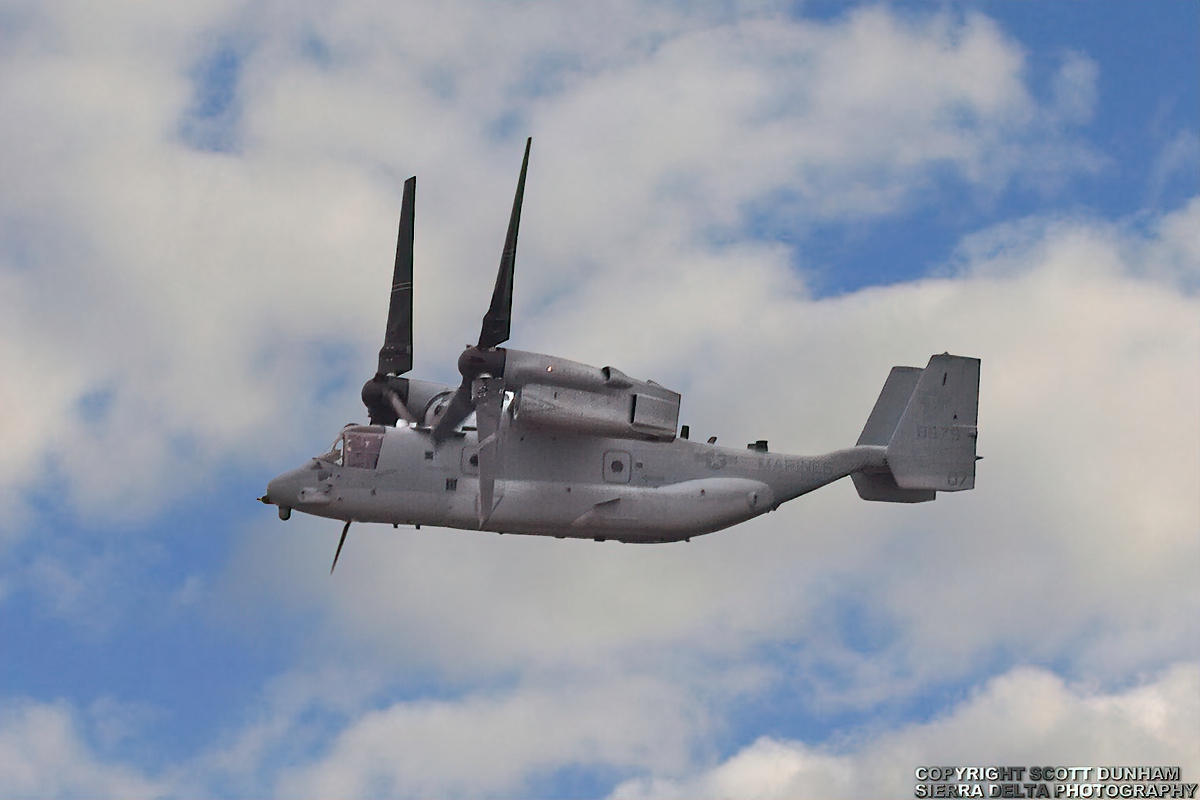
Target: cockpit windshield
[334,456]
[356,447]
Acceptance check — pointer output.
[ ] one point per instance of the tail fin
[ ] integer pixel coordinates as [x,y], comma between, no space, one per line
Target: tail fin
[926,418]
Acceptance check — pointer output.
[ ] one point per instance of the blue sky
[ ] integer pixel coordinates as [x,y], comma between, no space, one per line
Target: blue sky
[764,207]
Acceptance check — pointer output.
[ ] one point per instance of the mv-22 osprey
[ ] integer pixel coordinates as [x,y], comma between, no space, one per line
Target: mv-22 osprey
[559,448]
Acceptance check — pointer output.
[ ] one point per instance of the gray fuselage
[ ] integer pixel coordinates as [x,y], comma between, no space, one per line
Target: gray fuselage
[560,484]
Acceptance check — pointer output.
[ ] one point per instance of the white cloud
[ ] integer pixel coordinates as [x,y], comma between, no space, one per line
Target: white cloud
[1026,717]
[1176,159]
[1077,548]
[1074,88]
[1174,254]
[188,287]
[43,754]
[197,298]
[494,745]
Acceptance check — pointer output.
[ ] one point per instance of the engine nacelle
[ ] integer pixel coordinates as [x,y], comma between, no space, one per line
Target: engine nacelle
[560,394]
[635,410]
[522,368]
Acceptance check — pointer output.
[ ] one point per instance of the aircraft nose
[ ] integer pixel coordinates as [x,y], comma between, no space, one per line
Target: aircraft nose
[284,491]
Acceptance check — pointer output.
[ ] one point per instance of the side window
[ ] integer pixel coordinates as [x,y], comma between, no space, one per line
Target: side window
[362,449]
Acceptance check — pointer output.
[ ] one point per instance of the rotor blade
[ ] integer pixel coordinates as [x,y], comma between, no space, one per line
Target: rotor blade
[497,323]
[487,481]
[460,408]
[489,405]
[402,411]
[341,542]
[395,357]
[488,397]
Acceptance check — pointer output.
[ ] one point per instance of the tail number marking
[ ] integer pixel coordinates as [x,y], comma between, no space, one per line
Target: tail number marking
[939,432]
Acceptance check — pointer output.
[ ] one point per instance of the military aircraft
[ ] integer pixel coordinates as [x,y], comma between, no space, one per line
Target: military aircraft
[536,444]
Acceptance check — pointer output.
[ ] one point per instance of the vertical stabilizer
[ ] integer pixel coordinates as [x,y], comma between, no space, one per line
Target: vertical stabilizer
[885,416]
[879,485]
[933,446]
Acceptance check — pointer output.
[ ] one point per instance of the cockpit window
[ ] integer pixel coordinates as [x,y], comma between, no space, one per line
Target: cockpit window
[334,456]
[362,449]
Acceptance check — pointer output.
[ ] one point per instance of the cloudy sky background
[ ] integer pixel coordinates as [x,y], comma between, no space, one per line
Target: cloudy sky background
[762,206]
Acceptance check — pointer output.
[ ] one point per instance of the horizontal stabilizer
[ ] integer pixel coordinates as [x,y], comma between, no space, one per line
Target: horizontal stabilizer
[881,486]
